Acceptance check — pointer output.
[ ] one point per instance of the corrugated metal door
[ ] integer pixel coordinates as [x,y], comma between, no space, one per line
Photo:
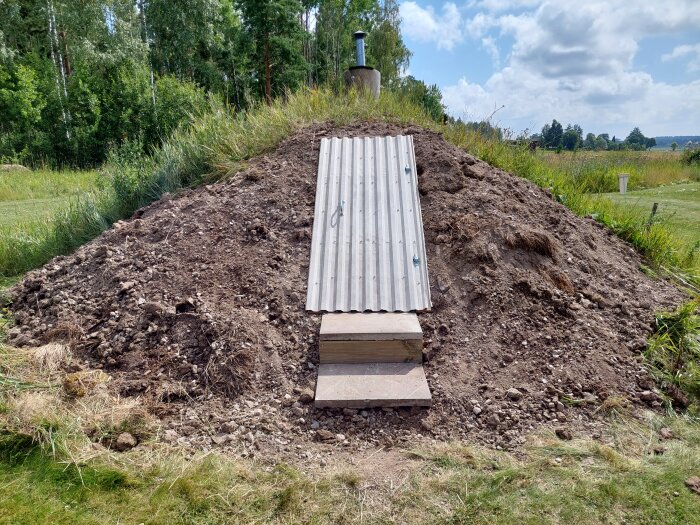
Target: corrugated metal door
[368,247]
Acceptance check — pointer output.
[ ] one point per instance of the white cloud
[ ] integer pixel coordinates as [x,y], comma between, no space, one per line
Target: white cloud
[489,45]
[502,5]
[574,61]
[682,52]
[425,25]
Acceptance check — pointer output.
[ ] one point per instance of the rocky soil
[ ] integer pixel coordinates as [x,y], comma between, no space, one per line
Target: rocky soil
[196,306]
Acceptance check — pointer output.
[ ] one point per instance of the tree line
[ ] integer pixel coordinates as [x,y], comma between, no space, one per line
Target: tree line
[555,136]
[81,77]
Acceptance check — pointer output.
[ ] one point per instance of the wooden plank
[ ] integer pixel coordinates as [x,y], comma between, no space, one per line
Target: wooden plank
[371,351]
[369,326]
[371,385]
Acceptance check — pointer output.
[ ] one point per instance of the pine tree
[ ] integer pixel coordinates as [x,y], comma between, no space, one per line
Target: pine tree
[277,35]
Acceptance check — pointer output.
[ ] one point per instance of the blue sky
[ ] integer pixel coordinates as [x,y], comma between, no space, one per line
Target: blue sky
[608,65]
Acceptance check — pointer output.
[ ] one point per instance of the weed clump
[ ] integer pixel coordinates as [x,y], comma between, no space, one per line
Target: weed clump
[673,353]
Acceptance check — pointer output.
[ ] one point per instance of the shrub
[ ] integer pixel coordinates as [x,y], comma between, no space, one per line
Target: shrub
[691,156]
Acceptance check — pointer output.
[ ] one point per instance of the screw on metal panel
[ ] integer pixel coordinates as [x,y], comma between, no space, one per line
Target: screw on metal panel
[416,260]
[407,169]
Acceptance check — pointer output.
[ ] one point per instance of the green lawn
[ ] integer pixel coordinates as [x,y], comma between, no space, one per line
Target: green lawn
[679,206]
[30,197]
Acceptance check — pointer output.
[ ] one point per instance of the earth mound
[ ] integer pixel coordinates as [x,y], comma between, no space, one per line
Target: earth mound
[196,305]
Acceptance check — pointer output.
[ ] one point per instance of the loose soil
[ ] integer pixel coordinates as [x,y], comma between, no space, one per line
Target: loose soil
[196,306]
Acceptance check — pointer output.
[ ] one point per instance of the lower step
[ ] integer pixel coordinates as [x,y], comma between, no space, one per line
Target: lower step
[367,385]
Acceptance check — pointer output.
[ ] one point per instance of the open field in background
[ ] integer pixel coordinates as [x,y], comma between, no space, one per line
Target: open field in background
[31,197]
[597,171]
[679,206]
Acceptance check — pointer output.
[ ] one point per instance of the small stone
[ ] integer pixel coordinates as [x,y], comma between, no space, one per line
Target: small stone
[220,439]
[693,483]
[648,396]
[659,449]
[228,427]
[125,441]
[340,437]
[426,424]
[315,425]
[476,410]
[563,433]
[325,435]
[666,433]
[306,395]
[589,398]
[514,394]
[170,436]
[493,421]
[125,286]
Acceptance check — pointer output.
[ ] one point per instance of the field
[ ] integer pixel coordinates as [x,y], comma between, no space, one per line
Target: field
[598,170]
[28,198]
[51,471]
[679,206]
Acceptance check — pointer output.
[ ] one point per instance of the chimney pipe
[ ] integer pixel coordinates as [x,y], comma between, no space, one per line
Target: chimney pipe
[360,47]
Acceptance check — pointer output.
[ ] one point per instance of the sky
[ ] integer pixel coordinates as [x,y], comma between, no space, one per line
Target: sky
[607,65]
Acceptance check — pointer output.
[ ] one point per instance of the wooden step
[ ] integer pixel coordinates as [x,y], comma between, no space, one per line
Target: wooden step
[369,385]
[370,338]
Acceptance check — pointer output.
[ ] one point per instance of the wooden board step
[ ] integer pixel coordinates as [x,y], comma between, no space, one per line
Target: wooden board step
[367,385]
[370,338]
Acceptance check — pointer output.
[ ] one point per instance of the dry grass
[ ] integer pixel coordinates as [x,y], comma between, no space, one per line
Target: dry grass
[53,470]
[51,357]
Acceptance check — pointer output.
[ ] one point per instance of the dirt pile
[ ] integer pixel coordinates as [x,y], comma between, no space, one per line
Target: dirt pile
[196,305]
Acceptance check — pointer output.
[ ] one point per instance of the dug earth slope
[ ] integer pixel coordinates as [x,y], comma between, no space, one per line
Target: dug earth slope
[196,306]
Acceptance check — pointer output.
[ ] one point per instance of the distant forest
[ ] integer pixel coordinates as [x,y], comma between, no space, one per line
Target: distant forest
[682,141]
[79,80]
[555,136]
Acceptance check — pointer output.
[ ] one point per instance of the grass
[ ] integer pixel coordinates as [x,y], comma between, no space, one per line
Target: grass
[598,170]
[33,207]
[673,353]
[583,481]
[51,472]
[36,197]
[44,184]
[679,207]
